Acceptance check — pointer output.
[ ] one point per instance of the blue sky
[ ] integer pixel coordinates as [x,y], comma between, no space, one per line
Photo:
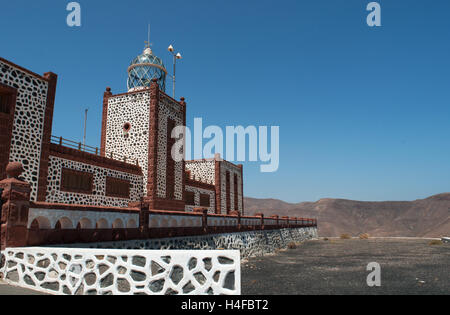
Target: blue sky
[363,112]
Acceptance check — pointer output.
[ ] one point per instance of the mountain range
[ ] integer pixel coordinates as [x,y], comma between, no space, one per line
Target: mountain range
[428,217]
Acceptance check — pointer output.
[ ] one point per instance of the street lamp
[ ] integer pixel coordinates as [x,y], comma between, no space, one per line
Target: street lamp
[176,56]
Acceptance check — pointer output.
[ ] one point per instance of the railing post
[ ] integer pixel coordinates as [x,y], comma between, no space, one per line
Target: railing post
[286,222]
[261,215]
[15,207]
[204,213]
[60,141]
[239,221]
[238,215]
[144,219]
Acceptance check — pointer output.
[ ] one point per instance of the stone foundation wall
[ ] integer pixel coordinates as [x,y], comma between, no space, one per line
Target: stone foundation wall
[250,244]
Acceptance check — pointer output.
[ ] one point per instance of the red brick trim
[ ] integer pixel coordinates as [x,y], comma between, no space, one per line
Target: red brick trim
[218,187]
[170,163]
[242,187]
[106,95]
[228,191]
[197,184]
[92,159]
[6,128]
[153,144]
[165,204]
[46,135]
[236,192]
[184,175]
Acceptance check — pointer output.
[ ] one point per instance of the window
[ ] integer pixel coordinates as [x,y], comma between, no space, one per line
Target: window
[190,198]
[75,181]
[205,201]
[4,103]
[117,188]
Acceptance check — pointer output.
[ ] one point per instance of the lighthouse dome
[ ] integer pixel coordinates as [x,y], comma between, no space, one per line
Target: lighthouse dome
[143,69]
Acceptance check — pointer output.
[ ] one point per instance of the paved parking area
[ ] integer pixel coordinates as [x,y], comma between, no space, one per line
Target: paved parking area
[10,290]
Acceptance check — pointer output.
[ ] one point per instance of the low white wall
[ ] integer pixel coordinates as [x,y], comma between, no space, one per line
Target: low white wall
[172,221]
[47,219]
[74,271]
[251,222]
[219,221]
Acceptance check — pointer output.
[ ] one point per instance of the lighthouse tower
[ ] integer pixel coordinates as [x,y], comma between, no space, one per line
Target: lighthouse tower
[138,125]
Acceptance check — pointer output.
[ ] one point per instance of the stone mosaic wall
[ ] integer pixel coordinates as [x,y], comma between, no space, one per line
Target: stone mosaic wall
[73,271]
[250,244]
[98,197]
[26,142]
[133,109]
[203,171]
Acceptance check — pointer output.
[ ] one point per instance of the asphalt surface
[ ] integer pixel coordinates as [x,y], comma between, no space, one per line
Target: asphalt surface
[10,290]
[339,267]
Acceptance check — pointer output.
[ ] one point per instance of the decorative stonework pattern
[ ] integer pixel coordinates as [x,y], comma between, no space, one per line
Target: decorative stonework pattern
[26,142]
[72,271]
[168,221]
[47,219]
[168,109]
[233,169]
[133,109]
[252,222]
[197,192]
[98,198]
[214,221]
[250,244]
[203,171]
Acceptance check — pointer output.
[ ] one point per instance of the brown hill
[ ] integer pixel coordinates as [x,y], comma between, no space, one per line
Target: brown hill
[421,218]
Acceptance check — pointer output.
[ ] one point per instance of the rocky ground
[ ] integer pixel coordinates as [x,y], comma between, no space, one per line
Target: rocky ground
[339,267]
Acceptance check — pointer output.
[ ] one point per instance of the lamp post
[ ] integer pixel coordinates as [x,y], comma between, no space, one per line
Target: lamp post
[176,56]
[85,127]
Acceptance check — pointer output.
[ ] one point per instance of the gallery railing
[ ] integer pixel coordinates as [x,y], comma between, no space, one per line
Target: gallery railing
[91,150]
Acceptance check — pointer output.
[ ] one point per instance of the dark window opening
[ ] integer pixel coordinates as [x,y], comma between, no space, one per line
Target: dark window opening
[205,201]
[190,198]
[77,182]
[5,106]
[117,188]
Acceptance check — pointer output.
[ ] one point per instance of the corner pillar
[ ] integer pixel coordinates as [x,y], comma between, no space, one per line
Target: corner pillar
[15,204]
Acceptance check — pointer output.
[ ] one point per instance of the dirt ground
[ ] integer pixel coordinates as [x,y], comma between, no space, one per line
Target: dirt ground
[339,267]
